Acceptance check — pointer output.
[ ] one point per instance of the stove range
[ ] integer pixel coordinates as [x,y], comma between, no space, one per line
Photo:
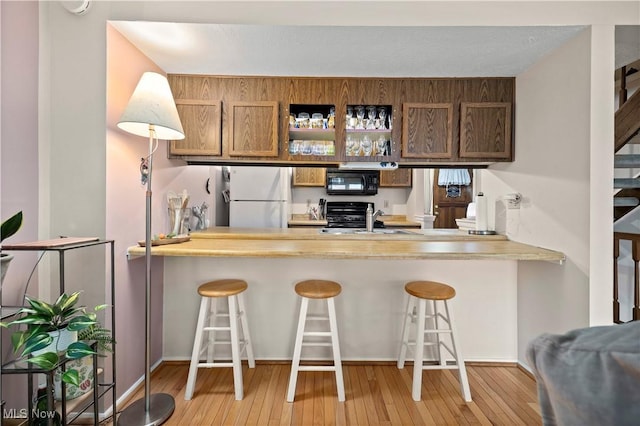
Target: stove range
[349,214]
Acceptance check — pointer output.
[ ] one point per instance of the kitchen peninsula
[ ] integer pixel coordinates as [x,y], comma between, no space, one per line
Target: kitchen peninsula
[372,269]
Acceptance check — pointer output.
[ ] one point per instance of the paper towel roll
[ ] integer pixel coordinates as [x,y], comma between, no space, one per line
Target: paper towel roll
[481,212]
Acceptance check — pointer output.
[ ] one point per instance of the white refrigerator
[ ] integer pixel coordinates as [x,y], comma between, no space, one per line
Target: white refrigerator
[259,196]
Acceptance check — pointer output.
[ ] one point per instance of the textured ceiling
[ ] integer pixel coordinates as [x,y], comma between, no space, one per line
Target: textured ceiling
[346,51]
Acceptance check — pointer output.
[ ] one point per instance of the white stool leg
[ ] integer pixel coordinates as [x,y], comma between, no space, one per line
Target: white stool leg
[436,325]
[245,332]
[212,316]
[235,348]
[404,341]
[419,350]
[457,353]
[295,364]
[197,345]
[336,348]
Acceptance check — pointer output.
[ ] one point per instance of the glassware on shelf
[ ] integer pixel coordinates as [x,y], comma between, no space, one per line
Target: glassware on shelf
[360,116]
[371,115]
[381,145]
[382,114]
[366,145]
[352,146]
[350,119]
[307,148]
[330,148]
[318,148]
[295,146]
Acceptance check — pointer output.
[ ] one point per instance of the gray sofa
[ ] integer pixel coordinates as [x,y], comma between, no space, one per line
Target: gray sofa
[589,376]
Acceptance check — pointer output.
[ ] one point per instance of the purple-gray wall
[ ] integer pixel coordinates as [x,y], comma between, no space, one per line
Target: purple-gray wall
[19,158]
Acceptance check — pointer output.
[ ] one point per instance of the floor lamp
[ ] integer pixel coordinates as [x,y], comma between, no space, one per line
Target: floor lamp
[151,112]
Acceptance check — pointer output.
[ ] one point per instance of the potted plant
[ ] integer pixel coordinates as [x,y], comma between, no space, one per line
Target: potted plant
[9,227]
[56,330]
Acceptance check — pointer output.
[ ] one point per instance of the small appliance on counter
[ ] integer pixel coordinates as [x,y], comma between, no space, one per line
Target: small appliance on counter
[362,182]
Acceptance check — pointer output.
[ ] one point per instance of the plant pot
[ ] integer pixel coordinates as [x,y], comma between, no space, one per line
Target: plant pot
[84,366]
[5,259]
[61,340]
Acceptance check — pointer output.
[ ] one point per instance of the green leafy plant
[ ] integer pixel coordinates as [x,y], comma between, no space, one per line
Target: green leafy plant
[11,226]
[42,318]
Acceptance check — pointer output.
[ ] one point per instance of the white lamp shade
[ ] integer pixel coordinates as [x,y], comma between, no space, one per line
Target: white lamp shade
[152,104]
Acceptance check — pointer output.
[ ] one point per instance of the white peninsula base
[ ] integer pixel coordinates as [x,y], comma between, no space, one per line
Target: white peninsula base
[369,309]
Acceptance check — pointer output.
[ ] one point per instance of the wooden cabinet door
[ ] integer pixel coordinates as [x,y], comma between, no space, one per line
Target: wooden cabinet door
[309,176]
[201,122]
[485,130]
[399,178]
[252,128]
[427,130]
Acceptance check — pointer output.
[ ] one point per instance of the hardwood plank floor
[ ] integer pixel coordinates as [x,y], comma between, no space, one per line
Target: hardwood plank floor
[376,394]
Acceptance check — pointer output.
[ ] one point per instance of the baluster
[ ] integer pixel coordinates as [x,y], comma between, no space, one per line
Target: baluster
[636,280]
[616,302]
[622,94]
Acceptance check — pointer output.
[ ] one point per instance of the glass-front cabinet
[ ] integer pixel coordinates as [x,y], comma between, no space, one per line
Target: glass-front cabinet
[312,131]
[368,132]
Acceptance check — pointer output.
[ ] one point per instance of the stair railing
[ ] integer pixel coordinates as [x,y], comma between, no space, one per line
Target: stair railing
[635,255]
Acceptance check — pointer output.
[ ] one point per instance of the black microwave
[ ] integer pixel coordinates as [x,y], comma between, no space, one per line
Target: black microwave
[343,182]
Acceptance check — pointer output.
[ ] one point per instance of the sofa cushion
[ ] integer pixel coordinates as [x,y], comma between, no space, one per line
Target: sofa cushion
[589,376]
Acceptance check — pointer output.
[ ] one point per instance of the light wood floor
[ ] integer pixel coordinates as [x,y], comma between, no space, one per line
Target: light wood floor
[375,395]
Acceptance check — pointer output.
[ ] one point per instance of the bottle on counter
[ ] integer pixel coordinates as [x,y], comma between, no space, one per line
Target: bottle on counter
[369,218]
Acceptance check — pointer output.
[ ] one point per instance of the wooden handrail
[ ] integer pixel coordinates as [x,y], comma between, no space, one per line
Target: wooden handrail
[627,121]
[635,254]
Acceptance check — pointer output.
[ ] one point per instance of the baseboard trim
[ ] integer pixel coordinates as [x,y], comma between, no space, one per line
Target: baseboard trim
[178,362]
[525,369]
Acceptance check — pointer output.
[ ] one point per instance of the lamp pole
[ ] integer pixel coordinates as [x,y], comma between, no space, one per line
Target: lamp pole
[151,112]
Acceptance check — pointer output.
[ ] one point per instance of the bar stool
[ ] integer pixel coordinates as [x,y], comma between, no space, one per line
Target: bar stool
[232,289]
[316,289]
[418,293]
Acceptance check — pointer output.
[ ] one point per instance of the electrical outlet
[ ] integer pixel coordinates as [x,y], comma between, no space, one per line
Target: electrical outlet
[386,204]
[414,314]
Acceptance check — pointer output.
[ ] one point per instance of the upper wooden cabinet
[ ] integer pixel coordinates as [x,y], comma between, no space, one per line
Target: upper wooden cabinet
[253,128]
[418,121]
[399,178]
[427,130]
[485,130]
[202,124]
[309,176]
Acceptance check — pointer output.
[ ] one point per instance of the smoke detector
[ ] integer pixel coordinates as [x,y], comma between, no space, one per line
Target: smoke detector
[77,7]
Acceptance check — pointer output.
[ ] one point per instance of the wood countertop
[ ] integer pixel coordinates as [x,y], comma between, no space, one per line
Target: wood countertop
[441,244]
[388,220]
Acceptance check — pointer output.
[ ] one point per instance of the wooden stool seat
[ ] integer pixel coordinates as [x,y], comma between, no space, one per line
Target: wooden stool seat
[430,290]
[222,288]
[318,289]
[435,293]
[322,291]
[209,321]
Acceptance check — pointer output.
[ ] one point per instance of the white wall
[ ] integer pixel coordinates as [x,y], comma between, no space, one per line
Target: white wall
[552,173]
